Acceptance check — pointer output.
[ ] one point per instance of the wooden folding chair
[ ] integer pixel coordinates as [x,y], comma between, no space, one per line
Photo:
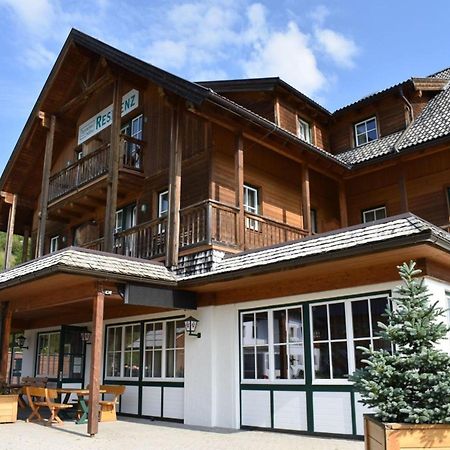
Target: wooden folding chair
[36,399]
[108,407]
[54,407]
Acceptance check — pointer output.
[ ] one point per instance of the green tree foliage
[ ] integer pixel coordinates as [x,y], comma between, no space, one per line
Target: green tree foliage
[16,250]
[412,384]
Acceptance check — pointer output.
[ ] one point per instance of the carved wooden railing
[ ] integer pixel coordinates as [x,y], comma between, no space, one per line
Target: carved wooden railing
[205,222]
[79,173]
[94,245]
[95,165]
[261,231]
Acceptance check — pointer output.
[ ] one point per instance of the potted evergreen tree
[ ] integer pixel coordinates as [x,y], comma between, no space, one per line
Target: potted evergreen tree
[409,388]
[8,404]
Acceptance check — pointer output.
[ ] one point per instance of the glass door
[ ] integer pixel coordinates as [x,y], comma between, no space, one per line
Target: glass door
[71,356]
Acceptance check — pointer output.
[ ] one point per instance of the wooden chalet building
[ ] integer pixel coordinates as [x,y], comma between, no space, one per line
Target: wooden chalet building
[143,198]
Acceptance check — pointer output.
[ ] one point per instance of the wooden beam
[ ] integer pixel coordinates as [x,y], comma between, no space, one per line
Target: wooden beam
[239,190]
[306,199]
[6,331]
[44,187]
[404,207]
[96,359]
[343,205]
[10,232]
[113,169]
[81,98]
[176,157]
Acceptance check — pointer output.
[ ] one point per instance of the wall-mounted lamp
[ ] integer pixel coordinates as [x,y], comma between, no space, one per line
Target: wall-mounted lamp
[144,208]
[20,342]
[190,324]
[86,336]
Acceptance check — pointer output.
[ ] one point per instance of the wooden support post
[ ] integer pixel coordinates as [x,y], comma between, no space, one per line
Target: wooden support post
[173,216]
[45,186]
[10,232]
[113,169]
[6,331]
[306,199]
[25,243]
[239,190]
[404,207]
[343,205]
[96,358]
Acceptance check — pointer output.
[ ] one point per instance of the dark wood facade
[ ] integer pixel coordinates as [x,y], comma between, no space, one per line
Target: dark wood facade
[202,154]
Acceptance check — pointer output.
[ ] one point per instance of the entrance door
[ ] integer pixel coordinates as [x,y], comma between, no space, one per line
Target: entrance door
[71,356]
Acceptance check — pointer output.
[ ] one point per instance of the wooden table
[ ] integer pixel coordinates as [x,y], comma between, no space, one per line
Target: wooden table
[81,397]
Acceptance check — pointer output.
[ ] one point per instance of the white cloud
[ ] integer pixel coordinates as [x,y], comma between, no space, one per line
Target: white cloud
[167,53]
[35,15]
[336,46]
[319,14]
[37,56]
[287,54]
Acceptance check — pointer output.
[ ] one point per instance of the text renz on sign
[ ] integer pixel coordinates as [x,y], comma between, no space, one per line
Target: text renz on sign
[104,118]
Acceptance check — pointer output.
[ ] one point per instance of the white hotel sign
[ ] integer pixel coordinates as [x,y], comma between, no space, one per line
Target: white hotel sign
[104,118]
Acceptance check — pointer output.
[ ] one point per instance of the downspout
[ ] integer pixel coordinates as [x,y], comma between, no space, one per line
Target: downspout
[408,105]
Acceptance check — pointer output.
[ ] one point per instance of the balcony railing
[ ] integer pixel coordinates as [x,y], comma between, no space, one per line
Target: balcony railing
[204,223]
[93,166]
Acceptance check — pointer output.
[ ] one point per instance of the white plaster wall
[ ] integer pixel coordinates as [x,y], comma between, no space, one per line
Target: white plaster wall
[438,290]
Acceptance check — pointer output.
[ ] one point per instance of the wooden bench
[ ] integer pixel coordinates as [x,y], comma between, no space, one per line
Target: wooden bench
[39,397]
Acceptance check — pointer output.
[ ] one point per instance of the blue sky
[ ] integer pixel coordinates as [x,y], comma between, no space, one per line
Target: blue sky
[334,51]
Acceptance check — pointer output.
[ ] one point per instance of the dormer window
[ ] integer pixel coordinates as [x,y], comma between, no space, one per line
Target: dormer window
[366,131]
[304,130]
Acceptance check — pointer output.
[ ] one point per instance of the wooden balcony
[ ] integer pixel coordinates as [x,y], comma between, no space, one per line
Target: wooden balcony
[94,166]
[205,223]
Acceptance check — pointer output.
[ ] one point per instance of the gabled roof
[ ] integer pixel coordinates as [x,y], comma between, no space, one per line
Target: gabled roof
[258,85]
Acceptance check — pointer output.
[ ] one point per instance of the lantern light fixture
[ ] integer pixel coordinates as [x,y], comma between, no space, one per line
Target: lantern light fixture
[20,342]
[86,336]
[190,324]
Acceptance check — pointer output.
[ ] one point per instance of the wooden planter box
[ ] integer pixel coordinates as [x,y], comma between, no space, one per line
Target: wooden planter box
[8,408]
[404,436]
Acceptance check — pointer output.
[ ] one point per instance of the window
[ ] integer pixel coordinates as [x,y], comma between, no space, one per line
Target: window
[272,344]
[339,328]
[163,203]
[48,354]
[366,131]
[251,205]
[54,241]
[304,130]
[125,218]
[123,351]
[369,215]
[448,203]
[164,349]
[132,151]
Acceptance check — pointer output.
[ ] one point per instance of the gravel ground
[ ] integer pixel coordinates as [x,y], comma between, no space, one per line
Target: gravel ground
[141,434]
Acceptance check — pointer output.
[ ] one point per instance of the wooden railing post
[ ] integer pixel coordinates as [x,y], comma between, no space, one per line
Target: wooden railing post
[6,317]
[239,190]
[10,199]
[173,216]
[113,169]
[45,185]
[96,357]
[306,200]
[26,240]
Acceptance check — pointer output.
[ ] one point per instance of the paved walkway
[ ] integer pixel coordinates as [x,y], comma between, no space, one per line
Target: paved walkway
[144,434]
